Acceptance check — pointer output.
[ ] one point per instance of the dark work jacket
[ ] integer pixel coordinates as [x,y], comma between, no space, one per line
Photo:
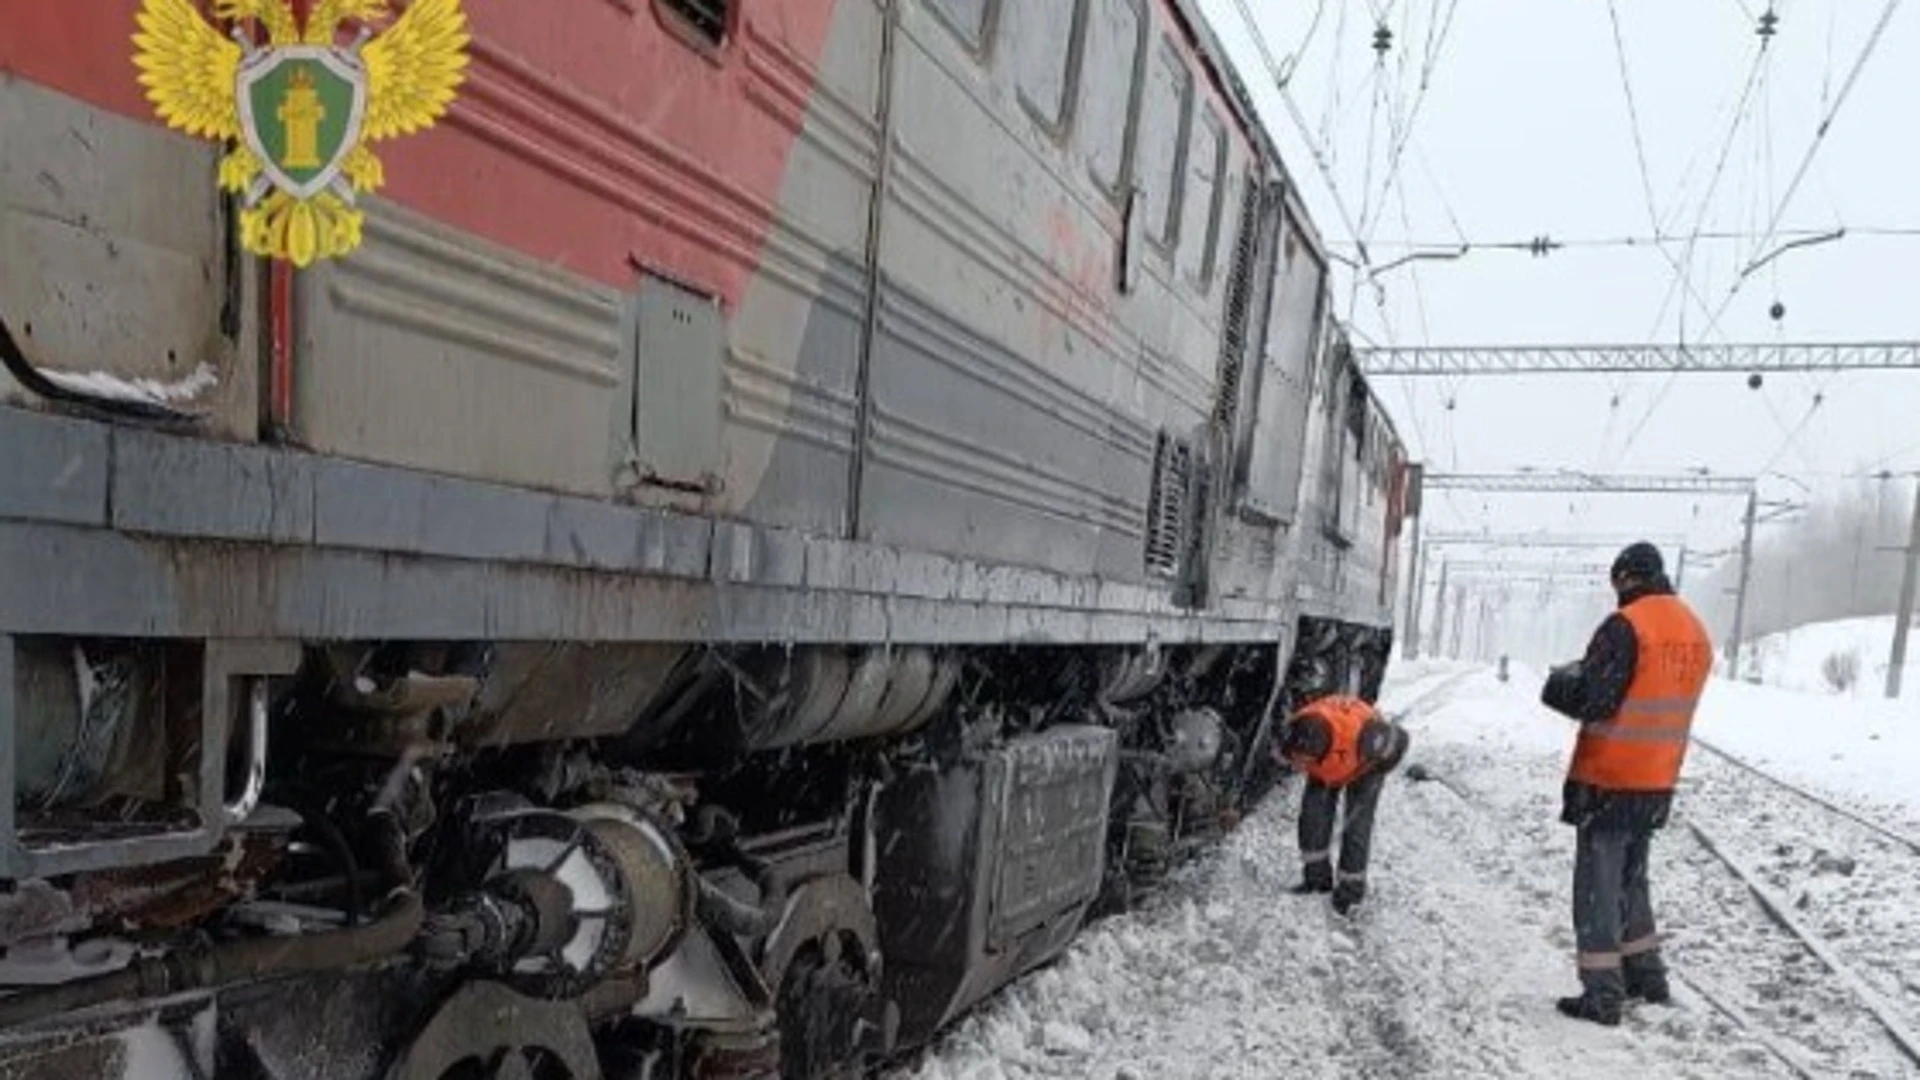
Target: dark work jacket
[1591,691]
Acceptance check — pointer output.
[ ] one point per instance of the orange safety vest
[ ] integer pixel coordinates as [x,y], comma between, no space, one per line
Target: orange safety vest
[1343,717]
[1642,746]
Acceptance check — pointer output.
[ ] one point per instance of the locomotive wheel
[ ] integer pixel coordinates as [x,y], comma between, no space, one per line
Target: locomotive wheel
[512,1063]
[822,997]
[486,1031]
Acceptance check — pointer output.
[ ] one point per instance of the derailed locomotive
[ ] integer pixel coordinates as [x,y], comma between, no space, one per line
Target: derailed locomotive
[793,507]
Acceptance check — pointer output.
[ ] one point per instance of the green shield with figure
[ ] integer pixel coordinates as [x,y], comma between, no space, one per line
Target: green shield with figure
[301,110]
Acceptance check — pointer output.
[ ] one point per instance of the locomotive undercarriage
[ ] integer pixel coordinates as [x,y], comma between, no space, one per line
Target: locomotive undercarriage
[430,861]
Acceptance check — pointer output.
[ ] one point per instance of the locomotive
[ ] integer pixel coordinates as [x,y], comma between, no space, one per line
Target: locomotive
[793,508]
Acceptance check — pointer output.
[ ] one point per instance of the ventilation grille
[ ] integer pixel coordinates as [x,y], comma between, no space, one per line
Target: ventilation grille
[1167,505]
[1194,584]
[1233,336]
[708,18]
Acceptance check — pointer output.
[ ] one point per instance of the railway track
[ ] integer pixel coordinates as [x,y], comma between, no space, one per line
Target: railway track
[1779,911]
[1844,879]
[1802,947]
[1825,875]
[1886,832]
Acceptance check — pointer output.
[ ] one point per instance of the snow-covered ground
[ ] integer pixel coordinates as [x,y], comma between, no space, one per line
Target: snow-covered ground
[1451,967]
[1851,745]
[1865,754]
[1816,658]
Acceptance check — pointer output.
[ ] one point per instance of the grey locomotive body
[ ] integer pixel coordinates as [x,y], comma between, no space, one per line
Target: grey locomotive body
[662,607]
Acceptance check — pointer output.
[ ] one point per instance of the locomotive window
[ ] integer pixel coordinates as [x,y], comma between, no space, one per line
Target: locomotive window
[1106,89]
[1043,46]
[968,18]
[1200,229]
[707,19]
[1356,404]
[1163,123]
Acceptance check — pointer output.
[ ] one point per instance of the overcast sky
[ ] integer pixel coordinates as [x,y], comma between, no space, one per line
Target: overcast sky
[1524,130]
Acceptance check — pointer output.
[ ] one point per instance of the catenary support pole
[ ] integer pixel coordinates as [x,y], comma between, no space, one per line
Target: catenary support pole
[1416,581]
[1903,617]
[1740,599]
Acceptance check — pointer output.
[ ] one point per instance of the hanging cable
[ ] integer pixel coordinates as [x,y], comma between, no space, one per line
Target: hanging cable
[1366,180]
[1739,119]
[1633,116]
[1292,62]
[1813,148]
[1397,153]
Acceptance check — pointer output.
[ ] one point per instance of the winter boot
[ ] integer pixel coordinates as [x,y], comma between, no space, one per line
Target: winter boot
[1348,894]
[1646,979]
[1599,1000]
[1316,877]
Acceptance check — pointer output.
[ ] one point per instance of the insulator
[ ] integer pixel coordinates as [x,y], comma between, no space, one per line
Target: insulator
[1778,311]
[1754,380]
[1382,39]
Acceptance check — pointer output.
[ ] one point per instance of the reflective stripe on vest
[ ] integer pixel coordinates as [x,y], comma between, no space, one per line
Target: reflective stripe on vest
[1343,717]
[1643,745]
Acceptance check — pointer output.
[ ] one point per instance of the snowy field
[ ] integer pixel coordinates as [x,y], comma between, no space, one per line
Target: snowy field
[1451,967]
[1853,745]
[1803,658]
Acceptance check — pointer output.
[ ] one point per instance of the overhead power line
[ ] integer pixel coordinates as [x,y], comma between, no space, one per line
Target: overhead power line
[1682,281]
[1633,117]
[1820,133]
[1458,360]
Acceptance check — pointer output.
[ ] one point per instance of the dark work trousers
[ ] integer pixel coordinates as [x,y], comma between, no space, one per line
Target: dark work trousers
[1613,909]
[1318,806]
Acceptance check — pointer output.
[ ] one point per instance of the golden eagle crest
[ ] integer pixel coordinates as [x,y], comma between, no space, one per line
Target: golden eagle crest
[302,105]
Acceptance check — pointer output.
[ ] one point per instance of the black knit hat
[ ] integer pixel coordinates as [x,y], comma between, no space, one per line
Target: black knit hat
[1640,561]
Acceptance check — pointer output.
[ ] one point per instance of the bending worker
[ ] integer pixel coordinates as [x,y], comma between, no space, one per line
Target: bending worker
[1346,748]
[1634,694]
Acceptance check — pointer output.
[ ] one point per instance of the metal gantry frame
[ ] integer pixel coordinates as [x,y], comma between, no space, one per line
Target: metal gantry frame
[1751,358]
[1629,359]
[1546,541]
[1534,482]
[1598,570]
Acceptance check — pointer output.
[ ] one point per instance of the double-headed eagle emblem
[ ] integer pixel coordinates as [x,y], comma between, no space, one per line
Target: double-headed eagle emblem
[303,105]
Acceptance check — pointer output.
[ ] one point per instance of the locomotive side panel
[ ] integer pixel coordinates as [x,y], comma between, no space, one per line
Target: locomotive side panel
[1017,389]
[1267,449]
[119,277]
[687,223]
[1346,553]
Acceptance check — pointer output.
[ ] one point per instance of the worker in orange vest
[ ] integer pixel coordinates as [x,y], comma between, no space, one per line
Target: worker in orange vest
[1346,749]
[1634,694]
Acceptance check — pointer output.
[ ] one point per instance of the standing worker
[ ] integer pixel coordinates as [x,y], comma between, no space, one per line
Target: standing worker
[1346,748]
[1634,694]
